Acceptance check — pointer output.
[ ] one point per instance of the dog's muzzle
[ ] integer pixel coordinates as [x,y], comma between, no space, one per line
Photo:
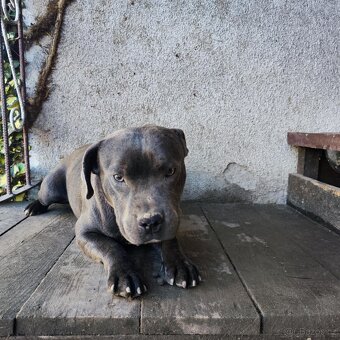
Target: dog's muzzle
[152,223]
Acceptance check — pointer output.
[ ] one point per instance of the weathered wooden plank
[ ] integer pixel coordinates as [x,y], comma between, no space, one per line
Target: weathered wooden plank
[28,229]
[321,243]
[73,300]
[220,305]
[314,140]
[26,263]
[309,162]
[11,214]
[290,288]
[316,198]
[301,335]
[312,162]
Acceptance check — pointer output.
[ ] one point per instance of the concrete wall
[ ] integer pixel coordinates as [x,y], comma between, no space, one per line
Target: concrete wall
[234,75]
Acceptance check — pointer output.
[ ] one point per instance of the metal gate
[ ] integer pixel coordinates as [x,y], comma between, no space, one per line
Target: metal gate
[13,97]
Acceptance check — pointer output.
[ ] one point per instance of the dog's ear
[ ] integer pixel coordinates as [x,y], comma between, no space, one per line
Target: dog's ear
[181,136]
[90,165]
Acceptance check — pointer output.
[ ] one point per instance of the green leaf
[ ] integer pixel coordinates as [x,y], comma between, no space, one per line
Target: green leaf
[11,36]
[14,170]
[11,83]
[20,197]
[3,181]
[12,102]
[22,168]
[17,169]
[18,185]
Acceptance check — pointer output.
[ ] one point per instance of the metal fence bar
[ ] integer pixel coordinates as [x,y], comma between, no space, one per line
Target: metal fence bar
[16,120]
[23,94]
[4,119]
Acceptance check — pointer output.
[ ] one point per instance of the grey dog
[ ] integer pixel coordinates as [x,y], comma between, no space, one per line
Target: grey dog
[125,190]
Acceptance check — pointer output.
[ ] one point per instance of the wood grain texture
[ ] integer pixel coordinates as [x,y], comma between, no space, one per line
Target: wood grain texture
[312,162]
[324,141]
[174,337]
[73,300]
[219,305]
[319,242]
[25,262]
[292,290]
[168,337]
[11,214]
[314,197]
[26,229]
[287,262]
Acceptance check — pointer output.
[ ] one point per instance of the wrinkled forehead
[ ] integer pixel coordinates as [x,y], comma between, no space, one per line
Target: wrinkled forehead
[140,151]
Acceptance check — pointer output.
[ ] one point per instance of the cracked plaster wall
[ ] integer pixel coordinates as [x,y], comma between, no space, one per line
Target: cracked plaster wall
[234,75]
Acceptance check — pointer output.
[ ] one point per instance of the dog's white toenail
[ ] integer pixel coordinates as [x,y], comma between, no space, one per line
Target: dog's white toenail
[112,288]
[184,284]
[193,283]
[128,290]
[139,291]
[172,282]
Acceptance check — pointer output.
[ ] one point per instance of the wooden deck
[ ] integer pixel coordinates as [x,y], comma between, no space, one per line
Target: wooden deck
[267,270]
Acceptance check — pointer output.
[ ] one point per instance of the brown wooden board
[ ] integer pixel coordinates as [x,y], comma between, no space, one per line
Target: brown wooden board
[293,292]
[314,197]
[220,305]
[26,262]
[73,300]
[324,141]
[11,214]
[312,161]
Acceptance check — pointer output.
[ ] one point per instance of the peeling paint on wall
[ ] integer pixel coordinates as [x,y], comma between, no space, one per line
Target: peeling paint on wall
[239,175]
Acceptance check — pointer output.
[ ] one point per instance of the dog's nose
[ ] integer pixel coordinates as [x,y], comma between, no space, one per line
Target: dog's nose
[152,223]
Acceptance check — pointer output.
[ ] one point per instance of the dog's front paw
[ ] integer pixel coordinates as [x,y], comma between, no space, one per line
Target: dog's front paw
[125,283]
[179,271]
[35,208]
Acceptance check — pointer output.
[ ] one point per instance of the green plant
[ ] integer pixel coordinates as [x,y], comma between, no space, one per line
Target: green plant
[17,168]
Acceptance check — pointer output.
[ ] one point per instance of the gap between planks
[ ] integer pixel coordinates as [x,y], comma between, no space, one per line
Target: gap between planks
[269,235]
[251,296]
[15,256]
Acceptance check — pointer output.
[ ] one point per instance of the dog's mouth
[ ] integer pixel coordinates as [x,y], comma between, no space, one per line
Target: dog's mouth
[146,239]
[142,239]
[153,241]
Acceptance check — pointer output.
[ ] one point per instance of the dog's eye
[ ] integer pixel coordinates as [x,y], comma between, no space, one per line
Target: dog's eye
[170,172]
[118,178]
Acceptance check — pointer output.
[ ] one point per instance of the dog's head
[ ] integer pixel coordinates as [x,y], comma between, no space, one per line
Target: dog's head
[142,175]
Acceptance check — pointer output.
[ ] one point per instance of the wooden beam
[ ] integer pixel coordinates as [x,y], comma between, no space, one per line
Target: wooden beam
[326,141]
[311,162]
[316,198]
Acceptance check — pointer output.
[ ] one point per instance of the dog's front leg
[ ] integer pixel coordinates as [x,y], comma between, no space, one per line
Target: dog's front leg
[176,267]
[123,279]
